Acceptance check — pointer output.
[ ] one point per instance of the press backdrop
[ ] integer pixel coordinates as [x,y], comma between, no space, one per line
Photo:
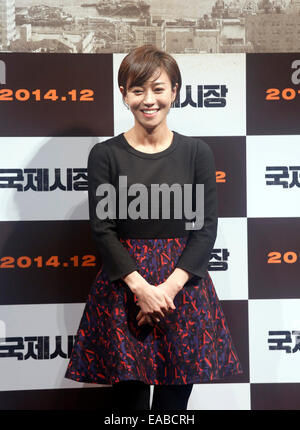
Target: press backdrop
[53,109]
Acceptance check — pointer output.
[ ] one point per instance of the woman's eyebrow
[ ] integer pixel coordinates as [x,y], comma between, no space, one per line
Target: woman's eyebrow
[154,83]
[135,85]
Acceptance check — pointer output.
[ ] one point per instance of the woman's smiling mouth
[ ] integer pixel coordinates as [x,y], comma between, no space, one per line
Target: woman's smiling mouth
[150,112]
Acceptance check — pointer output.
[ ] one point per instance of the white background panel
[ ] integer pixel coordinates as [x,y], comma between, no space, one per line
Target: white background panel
[271,200]
[232,284]
[48,153]
[2,329]
[39,320]
[201,69]
[220,397]
[273,365]
[123,118]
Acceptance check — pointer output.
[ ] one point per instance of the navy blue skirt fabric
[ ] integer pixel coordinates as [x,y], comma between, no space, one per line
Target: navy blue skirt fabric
[191,345]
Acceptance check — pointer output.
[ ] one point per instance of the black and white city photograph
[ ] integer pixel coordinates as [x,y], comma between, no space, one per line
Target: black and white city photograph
[117,26]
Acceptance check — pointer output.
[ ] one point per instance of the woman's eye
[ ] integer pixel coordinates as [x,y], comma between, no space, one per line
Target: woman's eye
[137,91]
[159,89]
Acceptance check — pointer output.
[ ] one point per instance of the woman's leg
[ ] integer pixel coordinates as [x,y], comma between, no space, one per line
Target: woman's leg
[171,397]
[130,395]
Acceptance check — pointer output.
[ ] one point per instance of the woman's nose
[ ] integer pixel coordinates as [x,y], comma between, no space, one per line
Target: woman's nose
[149,97]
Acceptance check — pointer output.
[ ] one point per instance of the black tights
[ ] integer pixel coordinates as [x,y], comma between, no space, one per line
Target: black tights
[135,395]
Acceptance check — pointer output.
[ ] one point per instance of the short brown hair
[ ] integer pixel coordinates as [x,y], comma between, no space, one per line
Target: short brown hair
[141,63]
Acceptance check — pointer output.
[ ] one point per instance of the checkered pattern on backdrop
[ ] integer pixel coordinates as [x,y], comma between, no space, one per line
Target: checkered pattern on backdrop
[53,109]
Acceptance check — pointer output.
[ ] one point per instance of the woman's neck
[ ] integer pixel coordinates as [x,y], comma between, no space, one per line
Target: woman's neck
[156,138]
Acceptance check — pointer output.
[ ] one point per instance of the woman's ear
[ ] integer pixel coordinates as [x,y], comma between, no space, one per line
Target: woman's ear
[174,91]
[123,96]
[122,90]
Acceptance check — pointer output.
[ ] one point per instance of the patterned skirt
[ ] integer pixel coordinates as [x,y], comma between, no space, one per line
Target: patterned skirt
[190,345]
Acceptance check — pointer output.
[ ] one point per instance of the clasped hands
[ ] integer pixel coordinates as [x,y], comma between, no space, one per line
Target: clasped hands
[155,302]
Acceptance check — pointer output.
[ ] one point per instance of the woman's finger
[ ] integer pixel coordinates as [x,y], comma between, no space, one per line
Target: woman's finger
[149,320]
[139,315]
[170,302]
[145,320]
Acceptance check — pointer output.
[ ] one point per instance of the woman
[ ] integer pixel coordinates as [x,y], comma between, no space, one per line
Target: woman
[152,316]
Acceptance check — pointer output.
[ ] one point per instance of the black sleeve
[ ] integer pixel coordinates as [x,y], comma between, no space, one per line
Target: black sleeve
[116,260]
[197,252]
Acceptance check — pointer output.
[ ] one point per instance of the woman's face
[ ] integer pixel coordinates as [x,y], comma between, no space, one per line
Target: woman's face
[151,102]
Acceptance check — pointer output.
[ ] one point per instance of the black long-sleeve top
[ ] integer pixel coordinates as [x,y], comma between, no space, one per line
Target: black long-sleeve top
[187,160]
